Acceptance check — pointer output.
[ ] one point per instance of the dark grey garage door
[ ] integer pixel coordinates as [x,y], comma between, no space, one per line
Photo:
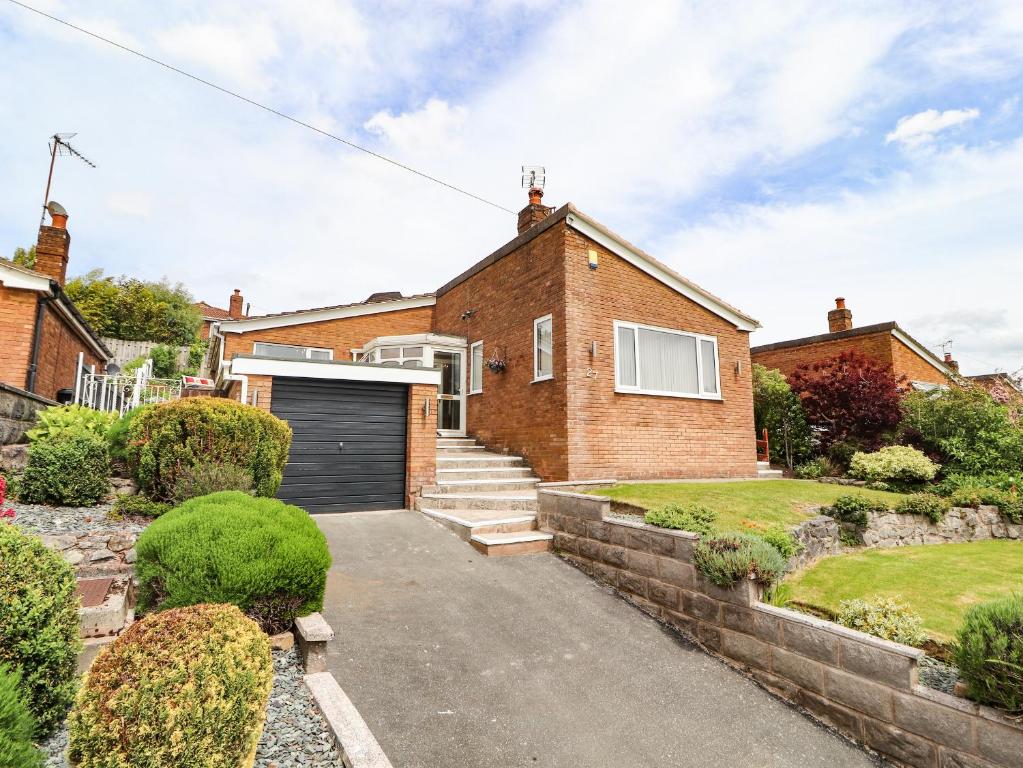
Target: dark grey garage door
[348,449]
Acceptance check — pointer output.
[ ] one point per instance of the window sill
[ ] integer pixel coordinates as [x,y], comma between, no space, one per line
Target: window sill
[477,392]
[542,378]
[650,393]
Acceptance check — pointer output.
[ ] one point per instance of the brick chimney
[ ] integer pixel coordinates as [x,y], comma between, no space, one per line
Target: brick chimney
[535,212]
[234,309]
[54,244]
[953,364]
[840,318]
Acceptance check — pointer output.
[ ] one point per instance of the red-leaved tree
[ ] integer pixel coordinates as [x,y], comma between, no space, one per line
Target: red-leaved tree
[849,398]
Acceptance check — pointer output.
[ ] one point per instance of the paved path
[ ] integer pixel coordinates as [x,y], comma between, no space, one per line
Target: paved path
[455,659]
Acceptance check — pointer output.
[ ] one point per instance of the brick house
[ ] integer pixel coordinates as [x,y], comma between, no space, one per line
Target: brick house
[211,314]
[567,346]
[885,342]
[43,332]
[1001,386]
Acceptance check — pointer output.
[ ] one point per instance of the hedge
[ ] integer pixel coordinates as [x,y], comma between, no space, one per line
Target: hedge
[39,623]
[181,689]
[267,557]
[170,438]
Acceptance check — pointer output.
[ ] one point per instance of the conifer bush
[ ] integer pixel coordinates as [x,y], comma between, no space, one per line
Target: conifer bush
[989,653]
[169,439]
[229,547]
[72,468]
[39,631]
[683,517]
[17,726]
[186,688]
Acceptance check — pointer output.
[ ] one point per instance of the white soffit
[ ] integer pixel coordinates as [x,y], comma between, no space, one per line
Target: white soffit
[336,370]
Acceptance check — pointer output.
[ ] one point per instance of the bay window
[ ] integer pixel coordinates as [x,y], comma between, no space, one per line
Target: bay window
[661,361]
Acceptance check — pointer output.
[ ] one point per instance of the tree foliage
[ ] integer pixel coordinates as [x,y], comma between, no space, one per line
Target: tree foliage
[849,398]
[136,310]
[778,410]
[25,258]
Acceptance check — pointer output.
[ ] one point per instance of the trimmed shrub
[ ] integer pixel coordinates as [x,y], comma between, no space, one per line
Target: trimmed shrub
[883,617]
[732,557]
[119,432]
[853,508]
[62,419]
[893,464]
[181,689]
[989,652]
[817,468]
[71,469]
[683,517]
[137,505]
[929,505]
[39,623]
[775,535]
[17,726]
[166,439]
[204,479]
[258,554]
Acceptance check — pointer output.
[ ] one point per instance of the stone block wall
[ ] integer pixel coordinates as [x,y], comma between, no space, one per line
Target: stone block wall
[960,524]
[864,687]
[18,410]
[98,553]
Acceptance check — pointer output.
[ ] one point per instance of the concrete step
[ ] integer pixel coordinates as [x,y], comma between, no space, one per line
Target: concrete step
[770,474]
[484,473]
[448,442]
[763,465]
[506,501]
[504,544]
[484,485]
[455,450]
[480,461]
[467,522]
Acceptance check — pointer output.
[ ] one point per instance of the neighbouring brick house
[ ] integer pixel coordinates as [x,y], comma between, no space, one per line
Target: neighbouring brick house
[44,335]
[567,345]
[1001,386]
[885,342]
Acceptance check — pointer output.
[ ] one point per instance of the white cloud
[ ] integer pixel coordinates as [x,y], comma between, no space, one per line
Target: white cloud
[435,127]
[238,52]
[913,130]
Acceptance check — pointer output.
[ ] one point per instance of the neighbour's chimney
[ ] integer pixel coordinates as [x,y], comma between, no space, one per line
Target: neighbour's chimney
[535,212]
[840,318]
[953,364]
[54,244]
[234,309]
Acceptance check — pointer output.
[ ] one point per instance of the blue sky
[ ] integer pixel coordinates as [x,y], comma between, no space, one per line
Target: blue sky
[780,154]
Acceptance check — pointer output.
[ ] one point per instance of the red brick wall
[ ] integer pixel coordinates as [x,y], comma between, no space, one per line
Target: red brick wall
[906,362]
[613,435]
[341,335]
[512,414]
[58,355]
[421,445]
[875,345]
[17,318]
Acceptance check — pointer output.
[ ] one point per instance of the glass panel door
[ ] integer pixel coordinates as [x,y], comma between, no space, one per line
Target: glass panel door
[451,395]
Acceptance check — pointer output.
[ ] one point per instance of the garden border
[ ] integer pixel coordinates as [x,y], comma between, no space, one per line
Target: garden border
[864,687]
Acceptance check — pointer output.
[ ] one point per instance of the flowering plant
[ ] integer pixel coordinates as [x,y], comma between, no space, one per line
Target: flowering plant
[5,514]
[497,364]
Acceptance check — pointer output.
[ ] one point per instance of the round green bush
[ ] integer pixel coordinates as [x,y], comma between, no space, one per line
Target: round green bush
[683,517]
[71,469]
[39,623]
[989,653]
[732,557]
[896,464]
[883,617]
[167,439]
[17,726]
[181,689]
[265,556]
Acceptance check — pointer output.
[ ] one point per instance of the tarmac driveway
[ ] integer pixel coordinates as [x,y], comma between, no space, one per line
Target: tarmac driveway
[455,659]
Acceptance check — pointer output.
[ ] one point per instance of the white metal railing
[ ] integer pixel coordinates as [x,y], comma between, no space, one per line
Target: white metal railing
[120,392]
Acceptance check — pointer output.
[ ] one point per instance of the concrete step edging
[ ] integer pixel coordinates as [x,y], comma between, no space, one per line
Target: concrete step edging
[359,748]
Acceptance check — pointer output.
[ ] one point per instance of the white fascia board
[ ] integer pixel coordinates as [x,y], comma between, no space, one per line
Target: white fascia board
[333,369]
[920,350]
[319,315]
[15,278]
[639,261]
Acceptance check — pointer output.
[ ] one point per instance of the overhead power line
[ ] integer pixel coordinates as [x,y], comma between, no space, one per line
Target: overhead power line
[264,107]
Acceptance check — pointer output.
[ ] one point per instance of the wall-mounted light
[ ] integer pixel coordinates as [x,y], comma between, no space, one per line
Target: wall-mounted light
[593,259]
[738,367]
[593,350]
[467,314]
[426,407]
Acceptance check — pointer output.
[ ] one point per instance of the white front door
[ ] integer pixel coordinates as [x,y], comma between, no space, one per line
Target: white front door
[451,395]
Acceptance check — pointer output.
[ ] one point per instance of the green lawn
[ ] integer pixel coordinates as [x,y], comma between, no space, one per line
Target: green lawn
[783,502]
[939,582]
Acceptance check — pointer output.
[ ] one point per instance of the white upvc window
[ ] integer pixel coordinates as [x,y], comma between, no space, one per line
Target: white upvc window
[661,361]
[399,357]
[291,352]
[543,348]
[476,368]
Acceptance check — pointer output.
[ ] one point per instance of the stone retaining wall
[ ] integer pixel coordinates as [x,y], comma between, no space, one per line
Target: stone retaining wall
[960,524]
[820,537]
[865,687]
[97,553]
[18,410]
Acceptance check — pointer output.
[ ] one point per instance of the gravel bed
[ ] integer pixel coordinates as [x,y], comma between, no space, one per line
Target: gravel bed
[295,733]
[938,675]
[38,518]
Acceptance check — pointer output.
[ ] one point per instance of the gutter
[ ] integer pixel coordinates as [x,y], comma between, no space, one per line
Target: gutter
[37,336]
[221,363]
